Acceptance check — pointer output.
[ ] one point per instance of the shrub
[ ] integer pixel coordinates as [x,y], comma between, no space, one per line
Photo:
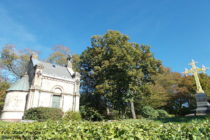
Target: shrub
[90,114]
[3,87]
[43,113]
[114,115]
[149,112]
[139,117]
[128,129]
[70,115]
[162,113]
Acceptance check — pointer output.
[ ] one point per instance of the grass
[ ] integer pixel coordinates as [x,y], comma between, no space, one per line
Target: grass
[183,119]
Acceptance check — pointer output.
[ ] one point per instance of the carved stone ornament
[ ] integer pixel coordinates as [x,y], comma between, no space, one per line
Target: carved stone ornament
[77,82]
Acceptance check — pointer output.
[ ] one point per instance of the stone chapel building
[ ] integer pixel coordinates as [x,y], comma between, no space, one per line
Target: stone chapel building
[44,85]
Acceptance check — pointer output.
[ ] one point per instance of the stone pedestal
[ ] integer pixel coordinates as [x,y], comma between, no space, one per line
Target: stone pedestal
[203,107]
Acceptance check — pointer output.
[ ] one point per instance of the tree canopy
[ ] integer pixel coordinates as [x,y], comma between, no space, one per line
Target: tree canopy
[117,69]
[14,62]
[60,54]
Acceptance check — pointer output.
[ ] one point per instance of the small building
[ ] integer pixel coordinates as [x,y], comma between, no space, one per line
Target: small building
[44,85]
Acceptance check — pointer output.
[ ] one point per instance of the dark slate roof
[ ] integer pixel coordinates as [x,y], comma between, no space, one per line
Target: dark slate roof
[53,70]
[21,85]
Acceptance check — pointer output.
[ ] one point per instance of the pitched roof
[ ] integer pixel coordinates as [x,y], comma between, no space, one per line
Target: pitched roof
[53,70]
[21,85]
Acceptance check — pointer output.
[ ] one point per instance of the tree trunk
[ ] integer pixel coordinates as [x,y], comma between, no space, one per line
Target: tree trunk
[133,110]
[107,111]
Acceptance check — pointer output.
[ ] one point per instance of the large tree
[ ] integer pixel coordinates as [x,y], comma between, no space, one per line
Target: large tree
[117,69]
[173,92]
[13,63]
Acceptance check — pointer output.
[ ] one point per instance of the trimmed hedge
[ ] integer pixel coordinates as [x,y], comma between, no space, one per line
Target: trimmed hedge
[162,113]
[119,130]
[90,114]
[149,112]
[43,113]
[74,116]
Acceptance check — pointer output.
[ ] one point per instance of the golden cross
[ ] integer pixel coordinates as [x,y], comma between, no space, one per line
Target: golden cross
[194,70]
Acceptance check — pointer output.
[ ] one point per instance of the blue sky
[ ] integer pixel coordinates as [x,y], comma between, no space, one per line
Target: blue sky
[176,30]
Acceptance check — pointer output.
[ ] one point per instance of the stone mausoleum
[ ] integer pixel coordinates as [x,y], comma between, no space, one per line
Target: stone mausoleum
[44,85]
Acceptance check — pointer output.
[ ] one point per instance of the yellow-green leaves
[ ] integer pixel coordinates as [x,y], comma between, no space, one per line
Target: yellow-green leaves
[13,62]
[112,66]
[120,130]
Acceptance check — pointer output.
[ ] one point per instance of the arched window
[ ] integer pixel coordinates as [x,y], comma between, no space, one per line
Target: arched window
[56,98]
[56,101]
[57,91]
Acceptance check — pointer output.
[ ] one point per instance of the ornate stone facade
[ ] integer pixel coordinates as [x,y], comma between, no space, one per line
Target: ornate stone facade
[44,85]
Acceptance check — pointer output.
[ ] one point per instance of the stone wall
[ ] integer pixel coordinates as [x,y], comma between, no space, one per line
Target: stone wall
[68,90]
[14,105]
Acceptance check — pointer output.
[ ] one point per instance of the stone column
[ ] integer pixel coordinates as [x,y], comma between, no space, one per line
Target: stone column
[33,97]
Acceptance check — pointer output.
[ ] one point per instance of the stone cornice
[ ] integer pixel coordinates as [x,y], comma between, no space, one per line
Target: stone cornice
[57,79]
[46,91]
[11,111]
[16,91]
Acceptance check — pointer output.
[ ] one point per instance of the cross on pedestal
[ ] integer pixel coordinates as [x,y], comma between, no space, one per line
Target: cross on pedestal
[195,70]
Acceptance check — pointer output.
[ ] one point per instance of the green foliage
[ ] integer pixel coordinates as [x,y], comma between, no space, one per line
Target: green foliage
[43,113]
[162,113]
[205,80]
[188,119]
[60,54]
[185,90]
[122,130]
[114,115]
[90,114]
[175,105]
[94,103]
[116,69]
[149,112]
[3,87]
[70,115]
[114,73]
[158,94]
[172,92]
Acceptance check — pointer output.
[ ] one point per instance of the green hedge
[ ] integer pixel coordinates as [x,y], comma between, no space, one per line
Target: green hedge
[149,112]
[90,114]
[74,116]
[119,130]
[162,113]
[43,113]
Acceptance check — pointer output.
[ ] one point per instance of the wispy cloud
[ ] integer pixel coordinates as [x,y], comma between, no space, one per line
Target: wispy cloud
[13,32]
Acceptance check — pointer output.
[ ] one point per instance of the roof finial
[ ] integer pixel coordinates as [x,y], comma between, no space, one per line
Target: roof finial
[34,55]
[69,61]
